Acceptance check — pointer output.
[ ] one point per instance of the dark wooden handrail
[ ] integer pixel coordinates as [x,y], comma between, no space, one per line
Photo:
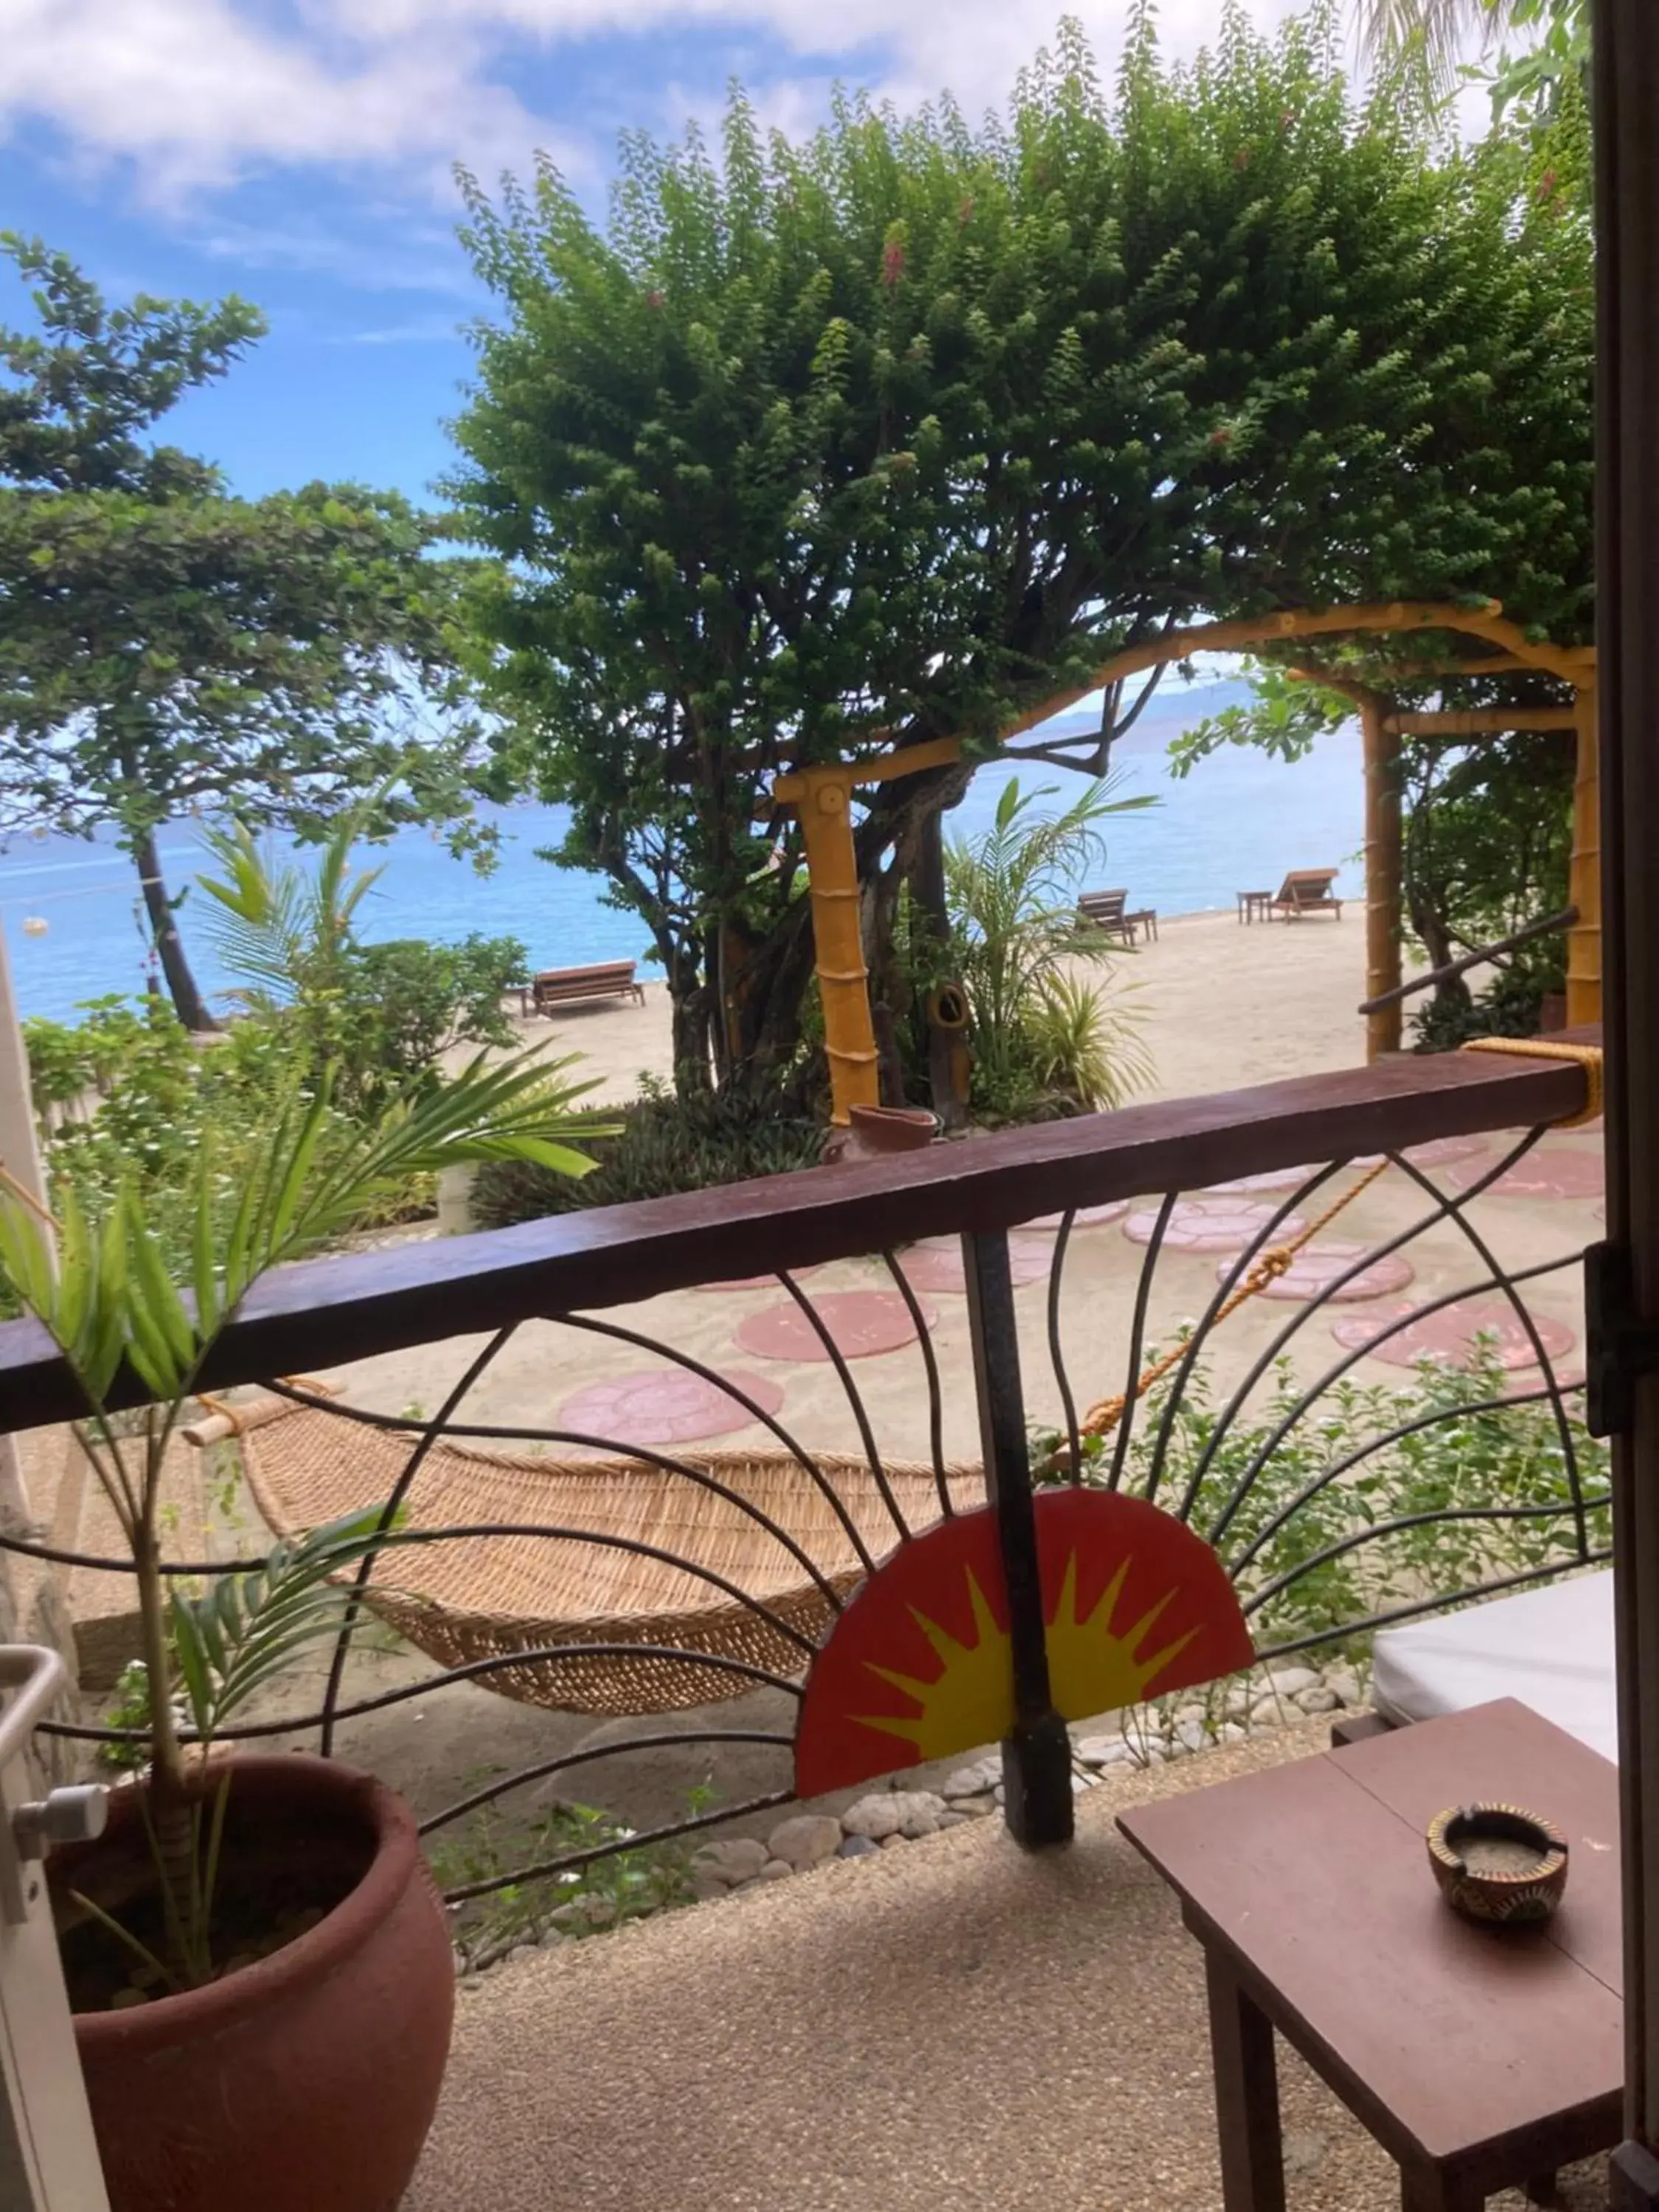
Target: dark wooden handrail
[1550,925]
[323,1313]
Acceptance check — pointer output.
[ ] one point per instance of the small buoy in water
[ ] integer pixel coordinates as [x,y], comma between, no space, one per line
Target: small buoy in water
[35,924]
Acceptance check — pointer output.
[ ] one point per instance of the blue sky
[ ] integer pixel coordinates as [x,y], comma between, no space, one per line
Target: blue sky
[299,152]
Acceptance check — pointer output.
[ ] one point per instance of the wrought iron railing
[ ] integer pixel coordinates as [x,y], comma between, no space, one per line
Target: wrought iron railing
[586,1571]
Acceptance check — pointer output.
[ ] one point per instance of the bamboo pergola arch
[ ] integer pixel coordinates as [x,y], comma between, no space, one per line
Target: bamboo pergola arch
[821,797]
[1383,724]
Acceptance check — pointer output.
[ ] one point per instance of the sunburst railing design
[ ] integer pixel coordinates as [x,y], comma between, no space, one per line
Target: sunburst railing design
[581,1570]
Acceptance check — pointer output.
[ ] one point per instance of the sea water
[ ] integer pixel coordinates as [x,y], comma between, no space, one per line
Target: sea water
[1237,822]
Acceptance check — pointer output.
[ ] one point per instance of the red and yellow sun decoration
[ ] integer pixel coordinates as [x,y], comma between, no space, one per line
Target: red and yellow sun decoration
[919,1666]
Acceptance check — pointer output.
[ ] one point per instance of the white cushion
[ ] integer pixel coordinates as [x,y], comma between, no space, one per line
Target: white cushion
[1551,1648]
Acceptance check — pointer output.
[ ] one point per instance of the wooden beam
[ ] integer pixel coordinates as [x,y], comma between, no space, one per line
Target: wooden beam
[1483,721]
[789,790]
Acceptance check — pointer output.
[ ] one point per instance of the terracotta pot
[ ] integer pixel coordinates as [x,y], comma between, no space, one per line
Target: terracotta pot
[306,2082]
[894,1129]
[878,1131]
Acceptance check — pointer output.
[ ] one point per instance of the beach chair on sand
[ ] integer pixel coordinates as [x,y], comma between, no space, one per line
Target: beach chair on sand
[1306,890]
[1104,911]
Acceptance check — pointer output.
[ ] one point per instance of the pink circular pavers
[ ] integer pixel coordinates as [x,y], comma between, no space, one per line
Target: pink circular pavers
[1271,1179]
[1211,1225]
[862,1324]
[1317,1266]
[1448,1334]
[1549,1172]
[1441,1152]
[665,1406]
[1086,1216]
[756,1282]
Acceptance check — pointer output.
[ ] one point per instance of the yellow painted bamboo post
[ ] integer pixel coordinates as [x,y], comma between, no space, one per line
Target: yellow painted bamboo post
[1584,881]
[1383,918]
[822,797]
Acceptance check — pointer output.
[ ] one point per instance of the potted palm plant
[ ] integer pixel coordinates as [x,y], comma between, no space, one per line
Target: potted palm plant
[258,1958]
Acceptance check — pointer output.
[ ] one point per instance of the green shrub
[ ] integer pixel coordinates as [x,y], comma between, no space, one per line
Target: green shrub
[666,1144]
[1509,1457]
[1049,1037]
[1513,1007]
[399,1007]
[128,1097]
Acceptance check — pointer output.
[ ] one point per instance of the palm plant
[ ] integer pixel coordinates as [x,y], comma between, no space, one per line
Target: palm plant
[1429,36]
[283,930]
[1012,898]
[1435,32]
[102,1288]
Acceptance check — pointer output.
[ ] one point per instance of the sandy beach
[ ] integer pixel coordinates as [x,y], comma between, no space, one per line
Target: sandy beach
[1222,1006]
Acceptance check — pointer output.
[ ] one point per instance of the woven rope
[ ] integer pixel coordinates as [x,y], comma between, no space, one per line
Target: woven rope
[1100,1420]
[486,1598]
[1588,1057]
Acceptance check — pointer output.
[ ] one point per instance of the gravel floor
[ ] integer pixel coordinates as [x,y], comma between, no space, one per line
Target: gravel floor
[951,2024]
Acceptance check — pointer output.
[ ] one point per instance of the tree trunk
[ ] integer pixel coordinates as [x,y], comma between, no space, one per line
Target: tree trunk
[692,1073]
[182,988]
[1430,929]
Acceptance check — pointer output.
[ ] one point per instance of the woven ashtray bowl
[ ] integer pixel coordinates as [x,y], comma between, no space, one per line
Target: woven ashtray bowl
[1498,1863]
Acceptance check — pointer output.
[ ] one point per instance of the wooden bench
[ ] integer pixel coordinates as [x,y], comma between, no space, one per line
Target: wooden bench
[564,987]
[1306,890]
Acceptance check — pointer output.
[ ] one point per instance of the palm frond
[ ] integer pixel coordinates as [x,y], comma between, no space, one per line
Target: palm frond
[1430,35]
[242,1632]
[108,1297]
[257,920]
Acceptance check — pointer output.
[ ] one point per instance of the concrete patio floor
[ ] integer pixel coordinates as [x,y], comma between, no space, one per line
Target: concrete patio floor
[950,2025]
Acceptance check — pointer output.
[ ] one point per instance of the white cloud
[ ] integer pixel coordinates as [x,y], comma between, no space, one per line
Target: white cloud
[198,93]
[201,92]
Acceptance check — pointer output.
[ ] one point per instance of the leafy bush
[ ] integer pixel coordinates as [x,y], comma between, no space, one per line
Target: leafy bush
[1046,1040]
[150,1099]
[402,1004]
[1507,1457]
[381,1014]
[128,1097]
[666,1144]
[1084,1048]
[1513,1007]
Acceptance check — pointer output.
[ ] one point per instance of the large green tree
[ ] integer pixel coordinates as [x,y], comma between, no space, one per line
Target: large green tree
[900,431]
[165,648]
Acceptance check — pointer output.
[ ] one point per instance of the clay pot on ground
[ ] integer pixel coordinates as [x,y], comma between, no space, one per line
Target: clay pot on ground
[878,1132]
[307,2080]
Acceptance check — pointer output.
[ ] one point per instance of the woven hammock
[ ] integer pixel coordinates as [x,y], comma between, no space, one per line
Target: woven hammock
[489,1597]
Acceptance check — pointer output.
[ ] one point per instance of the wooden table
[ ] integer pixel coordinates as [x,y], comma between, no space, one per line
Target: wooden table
[1479,2059]
[1255,906]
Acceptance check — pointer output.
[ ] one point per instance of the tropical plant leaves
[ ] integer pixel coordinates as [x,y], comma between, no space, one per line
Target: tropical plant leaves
[241,1633]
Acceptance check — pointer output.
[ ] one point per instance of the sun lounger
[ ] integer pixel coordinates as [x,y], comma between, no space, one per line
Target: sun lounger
[564,987]
[1104,911]
[1306,890]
